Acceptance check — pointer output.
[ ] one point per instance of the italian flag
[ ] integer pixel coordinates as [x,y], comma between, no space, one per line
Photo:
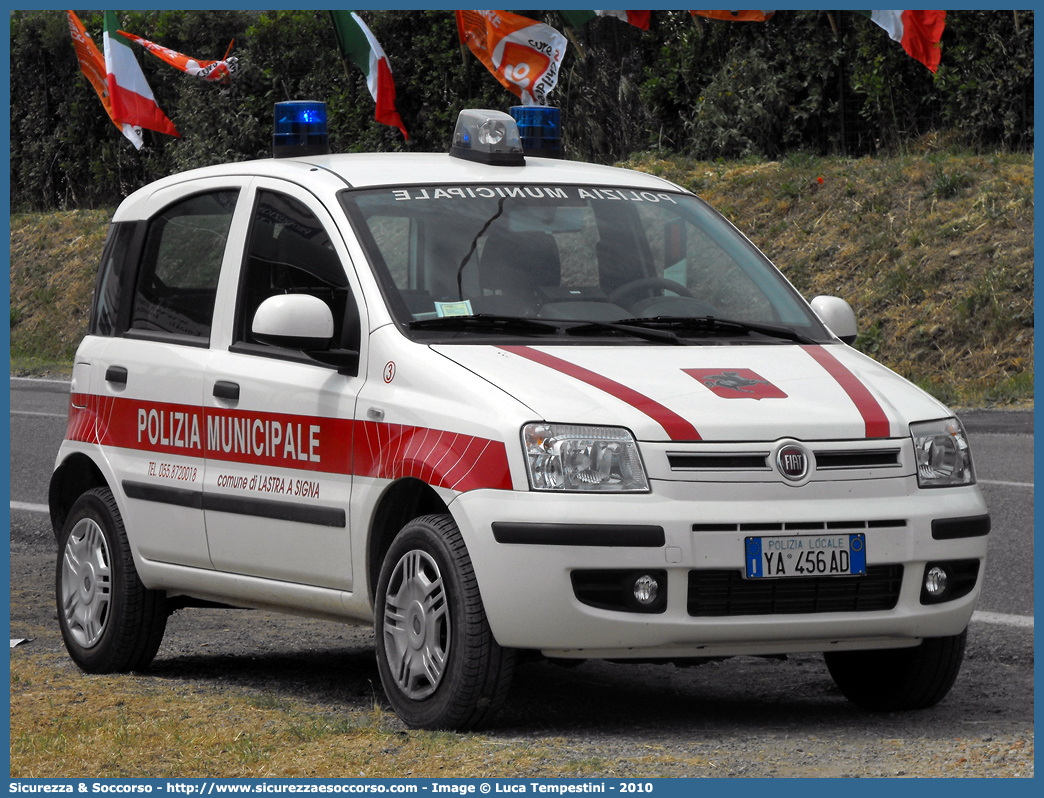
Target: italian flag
[359,46]
[640,19]
[919,32]
[129,92]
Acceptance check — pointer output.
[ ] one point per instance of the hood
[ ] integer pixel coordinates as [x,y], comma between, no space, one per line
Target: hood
[709,393]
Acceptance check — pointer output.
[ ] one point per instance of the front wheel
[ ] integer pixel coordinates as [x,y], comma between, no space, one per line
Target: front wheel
[899,679]
[439,664]
[110,622]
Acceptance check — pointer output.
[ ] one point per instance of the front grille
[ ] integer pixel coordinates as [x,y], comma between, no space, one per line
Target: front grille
[718,593]
[719,461]
[822,460]
[869,459]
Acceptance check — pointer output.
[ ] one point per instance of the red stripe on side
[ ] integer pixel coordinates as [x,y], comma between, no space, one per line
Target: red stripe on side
[674,425]
[309,443]
[873,414]
[443,459]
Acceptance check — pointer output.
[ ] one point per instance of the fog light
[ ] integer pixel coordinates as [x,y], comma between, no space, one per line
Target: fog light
[936,581]
[646,589]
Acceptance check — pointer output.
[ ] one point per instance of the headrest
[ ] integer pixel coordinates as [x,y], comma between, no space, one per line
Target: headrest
[520,260]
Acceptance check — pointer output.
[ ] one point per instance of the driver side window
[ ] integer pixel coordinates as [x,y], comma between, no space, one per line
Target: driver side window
[290,252]
[685,254]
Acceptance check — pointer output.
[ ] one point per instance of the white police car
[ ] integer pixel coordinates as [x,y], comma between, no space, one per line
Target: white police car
[493,403]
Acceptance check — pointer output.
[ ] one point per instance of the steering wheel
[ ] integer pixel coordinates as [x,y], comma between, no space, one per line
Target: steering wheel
[624,294]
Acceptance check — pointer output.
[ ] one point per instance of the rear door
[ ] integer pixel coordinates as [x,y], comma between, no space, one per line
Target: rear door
[279,425]
[147,360]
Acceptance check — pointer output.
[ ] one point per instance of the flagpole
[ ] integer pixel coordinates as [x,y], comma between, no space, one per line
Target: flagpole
[572,37]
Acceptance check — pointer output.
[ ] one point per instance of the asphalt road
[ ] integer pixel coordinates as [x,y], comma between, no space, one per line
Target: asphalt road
[727,714]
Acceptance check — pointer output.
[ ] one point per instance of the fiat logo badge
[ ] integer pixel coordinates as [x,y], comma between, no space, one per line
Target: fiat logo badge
[792,462]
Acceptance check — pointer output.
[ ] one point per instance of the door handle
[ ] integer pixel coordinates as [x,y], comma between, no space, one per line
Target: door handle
[117,374]
[226,390]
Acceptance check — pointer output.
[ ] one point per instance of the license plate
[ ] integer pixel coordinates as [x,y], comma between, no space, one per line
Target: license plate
[806,555]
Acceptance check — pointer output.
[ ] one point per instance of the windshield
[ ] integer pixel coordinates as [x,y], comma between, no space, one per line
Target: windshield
[465,260]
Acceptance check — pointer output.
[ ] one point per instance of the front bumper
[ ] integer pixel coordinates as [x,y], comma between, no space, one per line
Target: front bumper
[528,589]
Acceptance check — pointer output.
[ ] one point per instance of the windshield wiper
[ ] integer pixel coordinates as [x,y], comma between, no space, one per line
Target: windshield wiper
[486,322]
[660,329]
[714,325]
[628,328]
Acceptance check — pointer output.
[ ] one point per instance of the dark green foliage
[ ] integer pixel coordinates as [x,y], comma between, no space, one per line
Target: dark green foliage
[983,91]
[734,89]
[704,88]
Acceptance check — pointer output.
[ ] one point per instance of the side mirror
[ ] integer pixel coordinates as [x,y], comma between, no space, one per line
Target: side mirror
[303,322]
[294,321]
[837,315]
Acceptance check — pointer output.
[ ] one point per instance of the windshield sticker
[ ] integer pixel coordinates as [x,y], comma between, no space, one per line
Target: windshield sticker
[530,192]
[454,308]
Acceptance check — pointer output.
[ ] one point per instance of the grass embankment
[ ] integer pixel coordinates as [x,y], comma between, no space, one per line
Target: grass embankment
[934,251]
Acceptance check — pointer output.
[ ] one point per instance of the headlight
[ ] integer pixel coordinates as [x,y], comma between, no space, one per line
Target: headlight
[942,454]
[564,457]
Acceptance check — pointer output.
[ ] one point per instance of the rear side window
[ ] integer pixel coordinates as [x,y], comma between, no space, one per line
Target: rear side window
[112,276]
[180,266]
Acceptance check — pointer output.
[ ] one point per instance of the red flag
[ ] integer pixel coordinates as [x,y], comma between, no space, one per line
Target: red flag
[525,56]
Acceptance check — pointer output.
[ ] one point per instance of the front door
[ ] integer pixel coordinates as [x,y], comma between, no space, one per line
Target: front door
[279,425]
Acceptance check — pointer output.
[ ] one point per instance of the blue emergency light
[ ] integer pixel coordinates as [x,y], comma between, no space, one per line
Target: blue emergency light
[539,128]
[300,129]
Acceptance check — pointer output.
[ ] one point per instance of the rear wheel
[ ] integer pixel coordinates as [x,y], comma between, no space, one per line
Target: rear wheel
[110,621]
[898,679]
[439,664]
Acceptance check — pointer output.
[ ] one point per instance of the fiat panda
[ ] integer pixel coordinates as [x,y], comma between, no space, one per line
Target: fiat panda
[494,403]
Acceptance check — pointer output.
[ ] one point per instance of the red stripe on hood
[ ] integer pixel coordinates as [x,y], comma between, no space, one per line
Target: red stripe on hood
[674,425]
[877,425]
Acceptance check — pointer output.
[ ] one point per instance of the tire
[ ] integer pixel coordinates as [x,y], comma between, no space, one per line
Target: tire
[110,622]
[439,664]
[899,679]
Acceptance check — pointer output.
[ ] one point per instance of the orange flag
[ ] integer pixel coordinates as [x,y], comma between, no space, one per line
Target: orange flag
[92,64]
[524,55]
[211,71]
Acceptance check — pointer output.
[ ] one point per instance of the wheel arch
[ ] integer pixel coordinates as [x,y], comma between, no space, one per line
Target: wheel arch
[403,501]
[76,475]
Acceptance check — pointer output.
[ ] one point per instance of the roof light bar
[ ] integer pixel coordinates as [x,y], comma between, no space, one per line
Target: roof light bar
[490,137]
[300,129]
